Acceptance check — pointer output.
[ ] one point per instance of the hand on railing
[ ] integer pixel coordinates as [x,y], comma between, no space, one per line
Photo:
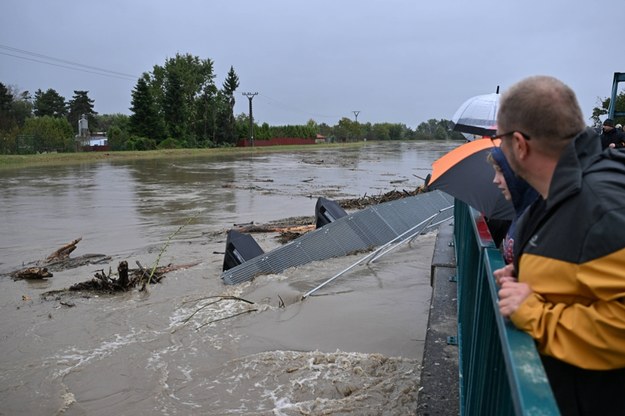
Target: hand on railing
[511,295]
[511,292]
[505,274]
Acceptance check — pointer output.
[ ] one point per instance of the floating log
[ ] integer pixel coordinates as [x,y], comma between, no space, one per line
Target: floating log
[271,228]
[57,261]
[31,273]
[63,252]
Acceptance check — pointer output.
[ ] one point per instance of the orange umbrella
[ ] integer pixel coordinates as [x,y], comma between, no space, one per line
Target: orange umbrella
[466,174]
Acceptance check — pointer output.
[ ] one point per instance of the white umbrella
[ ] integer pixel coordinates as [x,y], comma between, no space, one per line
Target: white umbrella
[478,115]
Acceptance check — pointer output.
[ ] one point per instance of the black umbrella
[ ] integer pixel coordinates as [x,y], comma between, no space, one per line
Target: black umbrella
[466,174]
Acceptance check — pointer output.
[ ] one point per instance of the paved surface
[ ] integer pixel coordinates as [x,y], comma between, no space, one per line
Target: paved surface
[439,391]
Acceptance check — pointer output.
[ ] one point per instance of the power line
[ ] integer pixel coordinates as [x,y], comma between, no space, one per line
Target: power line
[62,63]
[294,109]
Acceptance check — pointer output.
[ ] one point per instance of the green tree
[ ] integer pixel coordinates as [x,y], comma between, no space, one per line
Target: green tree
[325,130]
[8,124]
[81,104]
[381,131]
[175,107]
[22,107]
[107,121]
[117,137]
[46,134]
[207,108]
[347,130]
[242,122]
[182,81]
[49,103]
[226,124]
[437,130]
[604,105]
[145,120]
[15,109]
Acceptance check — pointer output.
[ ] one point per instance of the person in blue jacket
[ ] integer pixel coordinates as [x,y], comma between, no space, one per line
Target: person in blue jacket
[514,189]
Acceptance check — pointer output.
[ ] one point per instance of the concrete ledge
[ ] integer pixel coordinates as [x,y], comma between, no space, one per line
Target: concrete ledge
[444,250]
[439,391]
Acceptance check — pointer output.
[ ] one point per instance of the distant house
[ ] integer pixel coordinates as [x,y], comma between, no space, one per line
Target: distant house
[97,142]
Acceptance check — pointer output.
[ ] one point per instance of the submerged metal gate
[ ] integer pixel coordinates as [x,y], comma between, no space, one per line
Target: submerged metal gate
[366,229]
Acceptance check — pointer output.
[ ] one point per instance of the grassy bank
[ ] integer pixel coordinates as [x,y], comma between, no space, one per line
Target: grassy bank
[50,159]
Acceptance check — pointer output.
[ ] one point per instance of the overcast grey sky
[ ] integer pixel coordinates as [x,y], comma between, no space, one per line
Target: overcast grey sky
[400,61]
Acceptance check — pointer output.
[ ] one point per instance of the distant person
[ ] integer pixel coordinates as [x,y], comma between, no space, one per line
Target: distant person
[570,247]
[611,136]
[514,189]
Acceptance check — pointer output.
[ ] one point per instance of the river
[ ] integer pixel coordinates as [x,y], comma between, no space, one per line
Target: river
[183,347]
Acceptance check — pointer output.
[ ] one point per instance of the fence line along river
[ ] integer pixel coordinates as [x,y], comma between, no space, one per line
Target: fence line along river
[190,344]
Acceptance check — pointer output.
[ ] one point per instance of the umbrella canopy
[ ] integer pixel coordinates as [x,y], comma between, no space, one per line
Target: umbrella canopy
[478,115]
[466,174]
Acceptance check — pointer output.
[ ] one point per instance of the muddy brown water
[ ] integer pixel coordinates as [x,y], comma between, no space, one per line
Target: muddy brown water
[181,348]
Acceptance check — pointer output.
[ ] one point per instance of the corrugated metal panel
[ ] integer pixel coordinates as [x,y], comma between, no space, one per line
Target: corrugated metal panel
[366,229]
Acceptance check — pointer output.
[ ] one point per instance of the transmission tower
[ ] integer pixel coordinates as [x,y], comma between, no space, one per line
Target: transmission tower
[356,114]
[250,97]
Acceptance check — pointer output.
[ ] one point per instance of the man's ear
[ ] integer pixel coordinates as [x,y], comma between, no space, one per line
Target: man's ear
[521,145]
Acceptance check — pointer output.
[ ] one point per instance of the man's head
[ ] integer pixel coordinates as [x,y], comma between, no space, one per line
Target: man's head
[537,118]
[608,125]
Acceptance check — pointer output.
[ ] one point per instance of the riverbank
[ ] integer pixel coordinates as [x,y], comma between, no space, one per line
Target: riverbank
[52,159]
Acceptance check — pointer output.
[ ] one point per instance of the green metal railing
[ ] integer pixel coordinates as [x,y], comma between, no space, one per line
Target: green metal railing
[500,370]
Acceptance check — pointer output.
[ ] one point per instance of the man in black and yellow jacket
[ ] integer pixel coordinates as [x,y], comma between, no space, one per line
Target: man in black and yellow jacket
[570,247]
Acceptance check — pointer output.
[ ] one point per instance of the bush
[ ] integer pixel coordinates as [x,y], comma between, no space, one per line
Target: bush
[169,143]
[140,143]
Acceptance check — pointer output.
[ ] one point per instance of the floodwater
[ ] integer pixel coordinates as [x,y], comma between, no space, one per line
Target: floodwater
[186,346]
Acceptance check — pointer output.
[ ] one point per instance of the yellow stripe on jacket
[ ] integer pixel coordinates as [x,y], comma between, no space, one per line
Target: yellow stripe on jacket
[577,311]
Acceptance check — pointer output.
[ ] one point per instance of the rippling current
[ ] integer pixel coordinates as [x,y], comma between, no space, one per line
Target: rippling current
[190,344]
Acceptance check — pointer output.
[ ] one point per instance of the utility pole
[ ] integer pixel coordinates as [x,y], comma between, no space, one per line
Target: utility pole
[356,114]
[250,96]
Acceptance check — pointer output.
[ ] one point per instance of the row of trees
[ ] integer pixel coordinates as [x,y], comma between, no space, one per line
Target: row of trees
[42,123]
[179,104]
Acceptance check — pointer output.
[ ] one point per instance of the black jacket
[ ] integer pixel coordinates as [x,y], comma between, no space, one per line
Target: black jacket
[571,251]
[613,136]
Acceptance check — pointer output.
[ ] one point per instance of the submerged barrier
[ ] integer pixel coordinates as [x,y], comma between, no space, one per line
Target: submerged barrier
[363,230]
[499,367]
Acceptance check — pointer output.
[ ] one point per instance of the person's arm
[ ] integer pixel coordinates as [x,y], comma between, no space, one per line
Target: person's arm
[583,322]
[588,336]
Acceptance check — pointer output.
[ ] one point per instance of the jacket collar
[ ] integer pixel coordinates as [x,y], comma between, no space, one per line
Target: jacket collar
[576,157]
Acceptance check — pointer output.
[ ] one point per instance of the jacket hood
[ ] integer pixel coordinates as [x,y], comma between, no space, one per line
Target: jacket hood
[521,192]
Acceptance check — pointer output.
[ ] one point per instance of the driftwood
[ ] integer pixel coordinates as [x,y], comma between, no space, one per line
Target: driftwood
[288,229]
[57,261]
[127,278]
[31,273]
[291,228]
[272,228]
[72,263]
[63,252]
[365,201]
